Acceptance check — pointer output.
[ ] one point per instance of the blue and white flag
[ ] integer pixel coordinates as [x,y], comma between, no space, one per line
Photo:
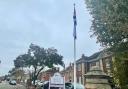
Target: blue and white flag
[75,23]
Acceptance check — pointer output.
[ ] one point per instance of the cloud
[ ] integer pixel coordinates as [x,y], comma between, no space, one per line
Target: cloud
[47,23]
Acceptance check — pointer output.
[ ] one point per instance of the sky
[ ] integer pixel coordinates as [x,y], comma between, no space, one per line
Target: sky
[47,23]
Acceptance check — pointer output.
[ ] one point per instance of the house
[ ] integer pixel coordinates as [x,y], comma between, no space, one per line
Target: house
[102,59]
[68,73]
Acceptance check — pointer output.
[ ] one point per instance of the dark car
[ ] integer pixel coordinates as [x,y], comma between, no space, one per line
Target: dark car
[0,81]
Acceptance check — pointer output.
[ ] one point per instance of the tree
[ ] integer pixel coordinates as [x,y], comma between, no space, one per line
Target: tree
[120,70]
[19,64]
[12,71]
[109,23]
[17,73]
[38,58]
[110,26]
[19,61]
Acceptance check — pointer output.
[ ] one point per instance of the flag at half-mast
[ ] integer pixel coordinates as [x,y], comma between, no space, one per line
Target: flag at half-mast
[75,23]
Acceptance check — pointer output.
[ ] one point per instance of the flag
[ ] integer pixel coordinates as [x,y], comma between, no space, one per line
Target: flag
[75,23]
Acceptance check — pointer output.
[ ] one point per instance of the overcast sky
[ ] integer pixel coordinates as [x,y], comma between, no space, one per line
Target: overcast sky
[47,23]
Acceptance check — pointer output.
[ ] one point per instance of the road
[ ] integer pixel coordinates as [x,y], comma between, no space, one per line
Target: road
[6,85]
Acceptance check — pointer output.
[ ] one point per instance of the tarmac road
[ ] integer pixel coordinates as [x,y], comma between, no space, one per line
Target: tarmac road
[6,85]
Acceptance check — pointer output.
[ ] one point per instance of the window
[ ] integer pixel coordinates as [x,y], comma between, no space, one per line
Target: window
[79,67]
[93,64]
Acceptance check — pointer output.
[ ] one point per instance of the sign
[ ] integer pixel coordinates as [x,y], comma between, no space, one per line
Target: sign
[57,81]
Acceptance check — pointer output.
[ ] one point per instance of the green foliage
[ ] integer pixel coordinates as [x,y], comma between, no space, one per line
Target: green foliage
[19,62]
[110,26]
[120,70]
[38,58]
[110,22]
[12,71]
[17,73]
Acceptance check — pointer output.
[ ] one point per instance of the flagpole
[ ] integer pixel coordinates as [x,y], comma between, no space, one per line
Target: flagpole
[74,63]
[75,23]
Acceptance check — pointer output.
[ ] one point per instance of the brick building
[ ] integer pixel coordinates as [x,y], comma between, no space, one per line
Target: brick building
[84,64]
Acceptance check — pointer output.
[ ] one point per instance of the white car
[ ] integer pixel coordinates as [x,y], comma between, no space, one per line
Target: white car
[12,82]
[40,83]
[71,86]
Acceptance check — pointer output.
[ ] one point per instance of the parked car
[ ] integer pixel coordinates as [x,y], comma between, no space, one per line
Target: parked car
[8,79]
[12,82]
[36,82]
[40,83]
[0,81]
[45,85]
[68,85]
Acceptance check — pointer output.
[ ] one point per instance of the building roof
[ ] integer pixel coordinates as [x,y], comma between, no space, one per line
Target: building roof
[82,59]
[94,57]
[90,58]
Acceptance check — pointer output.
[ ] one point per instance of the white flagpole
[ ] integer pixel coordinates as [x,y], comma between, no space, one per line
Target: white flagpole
[74,63]
[75,49]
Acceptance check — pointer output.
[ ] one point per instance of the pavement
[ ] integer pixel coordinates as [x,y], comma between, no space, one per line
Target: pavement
[6,85]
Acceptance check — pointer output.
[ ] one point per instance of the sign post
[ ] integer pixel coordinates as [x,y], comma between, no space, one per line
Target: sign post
[57,81]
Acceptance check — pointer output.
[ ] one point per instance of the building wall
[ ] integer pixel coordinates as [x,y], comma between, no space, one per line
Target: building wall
[79,72]
[105,64]
[83,72]
[83,66]
[69,74]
